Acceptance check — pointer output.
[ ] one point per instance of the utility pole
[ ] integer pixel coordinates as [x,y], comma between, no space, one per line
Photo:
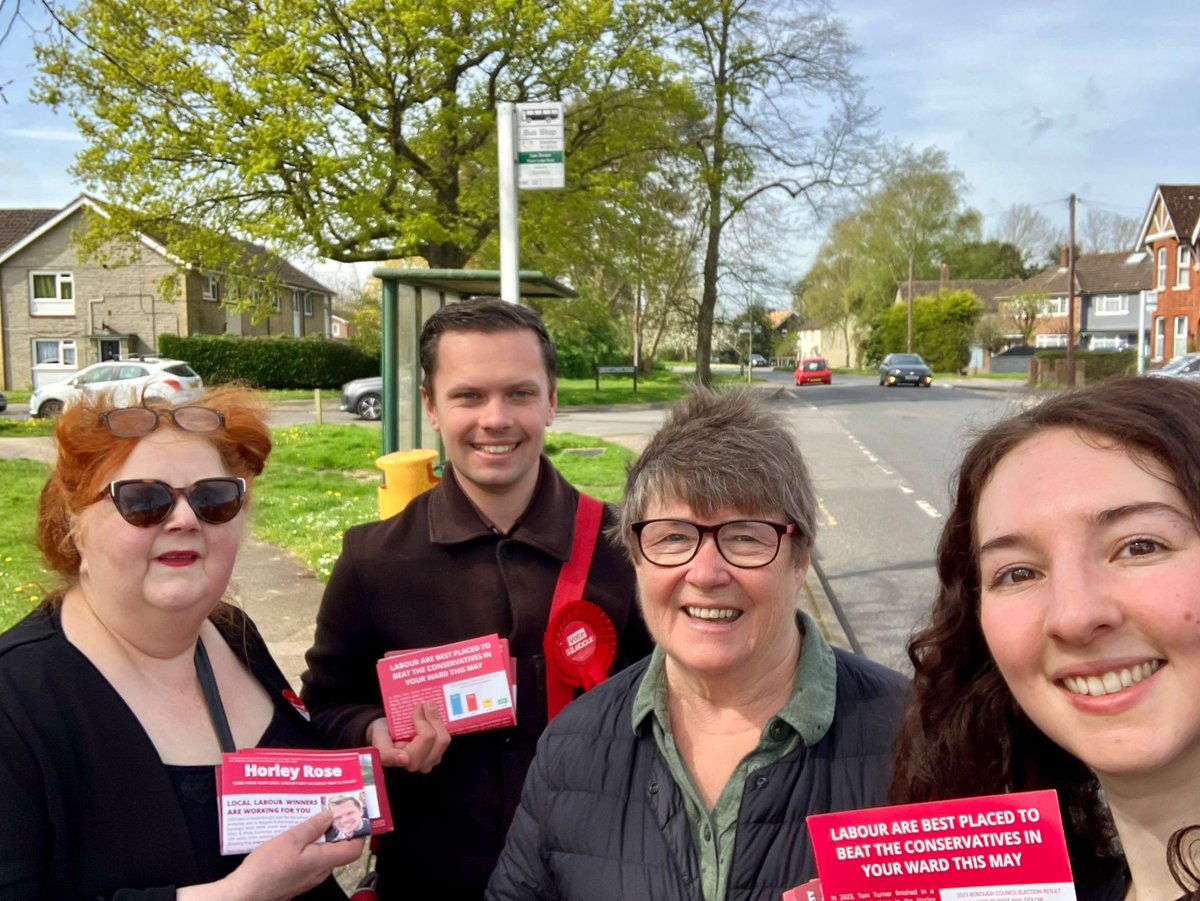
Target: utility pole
[1071,299]
[910,303]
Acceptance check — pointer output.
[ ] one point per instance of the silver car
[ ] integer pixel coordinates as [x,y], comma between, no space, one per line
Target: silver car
[364,397]
[1185,367]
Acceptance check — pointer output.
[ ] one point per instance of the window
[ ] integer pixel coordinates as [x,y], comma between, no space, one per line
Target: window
[1158,337]
[308,305]
[1181,331]
[1114,342]
[1183,277]
[336,328]
[274,300]
[1055,306]
[52,294]
[54,353]
[1051,341]
[210,288]
[1162,268]
[1111,304]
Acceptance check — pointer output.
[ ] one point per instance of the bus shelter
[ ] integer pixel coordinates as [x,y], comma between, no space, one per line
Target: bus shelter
[410,296]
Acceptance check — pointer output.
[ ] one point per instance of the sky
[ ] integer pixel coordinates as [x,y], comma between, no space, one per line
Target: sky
[1031,99]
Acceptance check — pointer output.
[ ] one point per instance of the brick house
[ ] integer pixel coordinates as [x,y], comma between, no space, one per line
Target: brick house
[1108,294]
[59,314]
[1170,233]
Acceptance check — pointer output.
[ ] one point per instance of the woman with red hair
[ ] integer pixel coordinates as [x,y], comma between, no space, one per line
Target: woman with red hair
[119,693]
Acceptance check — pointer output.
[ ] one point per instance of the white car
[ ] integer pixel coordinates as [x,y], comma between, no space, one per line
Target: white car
[129,381]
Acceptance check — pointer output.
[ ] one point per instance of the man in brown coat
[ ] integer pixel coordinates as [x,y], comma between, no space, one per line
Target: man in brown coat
[478,554]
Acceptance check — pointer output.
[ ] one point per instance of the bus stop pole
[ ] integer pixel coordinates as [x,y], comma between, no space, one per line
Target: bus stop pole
[506,157]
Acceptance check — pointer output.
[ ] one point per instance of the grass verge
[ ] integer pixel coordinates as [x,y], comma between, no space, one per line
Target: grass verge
[23,582]
[319,481]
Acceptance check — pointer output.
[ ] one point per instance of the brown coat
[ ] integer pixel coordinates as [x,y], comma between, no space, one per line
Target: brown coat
[433,574]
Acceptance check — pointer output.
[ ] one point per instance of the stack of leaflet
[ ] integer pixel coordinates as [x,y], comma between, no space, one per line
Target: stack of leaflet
[472,683]
[262,792]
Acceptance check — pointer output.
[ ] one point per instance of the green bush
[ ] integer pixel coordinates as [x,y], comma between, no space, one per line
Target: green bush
[279,362]
[943,327]
[1099,365]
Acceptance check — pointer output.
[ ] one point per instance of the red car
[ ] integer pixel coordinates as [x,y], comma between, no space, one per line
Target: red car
[813,369]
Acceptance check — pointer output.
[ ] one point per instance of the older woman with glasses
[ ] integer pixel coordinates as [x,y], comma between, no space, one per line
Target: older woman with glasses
[690,775]
[119,693]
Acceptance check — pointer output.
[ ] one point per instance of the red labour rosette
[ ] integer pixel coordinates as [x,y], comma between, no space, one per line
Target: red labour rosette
[580,644]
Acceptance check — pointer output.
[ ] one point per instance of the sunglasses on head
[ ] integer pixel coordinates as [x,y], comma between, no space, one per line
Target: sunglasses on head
[147,502]
[134,422]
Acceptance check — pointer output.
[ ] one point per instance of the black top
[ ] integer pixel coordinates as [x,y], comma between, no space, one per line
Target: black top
[90,809]
[196,790]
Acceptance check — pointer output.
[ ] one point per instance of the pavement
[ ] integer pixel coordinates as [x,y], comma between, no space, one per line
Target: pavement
[282,595]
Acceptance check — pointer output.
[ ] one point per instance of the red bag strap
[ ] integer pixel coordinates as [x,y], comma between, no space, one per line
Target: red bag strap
[572,579]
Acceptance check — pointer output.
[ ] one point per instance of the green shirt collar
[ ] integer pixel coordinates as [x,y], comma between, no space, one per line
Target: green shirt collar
[809,711]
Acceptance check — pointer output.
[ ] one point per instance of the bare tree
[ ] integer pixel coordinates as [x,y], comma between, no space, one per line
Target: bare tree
[1031,232]
[1103,231]
[761,68]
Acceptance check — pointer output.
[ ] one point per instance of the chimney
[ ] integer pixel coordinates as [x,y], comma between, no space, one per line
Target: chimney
[1064,256]
[945,286]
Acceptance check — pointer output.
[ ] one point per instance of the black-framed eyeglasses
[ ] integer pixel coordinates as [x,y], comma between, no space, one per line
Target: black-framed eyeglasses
[147,502]
[744,543]
[134,422]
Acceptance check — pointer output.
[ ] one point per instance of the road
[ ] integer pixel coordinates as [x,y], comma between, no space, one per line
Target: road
[882,460]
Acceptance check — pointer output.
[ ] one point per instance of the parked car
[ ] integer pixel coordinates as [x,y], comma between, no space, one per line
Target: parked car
[814,369]
[129,380]
[3,402]
[905,369]
[364,397]
[757,360]
[1184,367]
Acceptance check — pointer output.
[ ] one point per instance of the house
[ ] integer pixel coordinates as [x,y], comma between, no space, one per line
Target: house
[340,328]
[59,313]
[1170,235]
[1109,294]
[988,290]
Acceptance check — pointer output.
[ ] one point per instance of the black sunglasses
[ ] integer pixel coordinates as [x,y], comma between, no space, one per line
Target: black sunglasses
[147,502]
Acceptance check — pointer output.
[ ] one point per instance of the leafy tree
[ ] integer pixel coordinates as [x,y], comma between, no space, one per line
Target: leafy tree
[1022,313]
[584,335]
[366,324]
[760,70]
[916,218]
[635,247]
[834,291]
[985,259]
[991,332]
[358,129]
[916,214]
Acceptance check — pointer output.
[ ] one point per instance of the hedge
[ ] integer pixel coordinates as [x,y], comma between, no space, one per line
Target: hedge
[279,362]
[1099,365]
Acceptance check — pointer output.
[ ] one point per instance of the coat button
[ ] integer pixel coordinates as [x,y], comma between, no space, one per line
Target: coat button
[707,833]
[778,730]
[760,782]
[652,787]
[506,553]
